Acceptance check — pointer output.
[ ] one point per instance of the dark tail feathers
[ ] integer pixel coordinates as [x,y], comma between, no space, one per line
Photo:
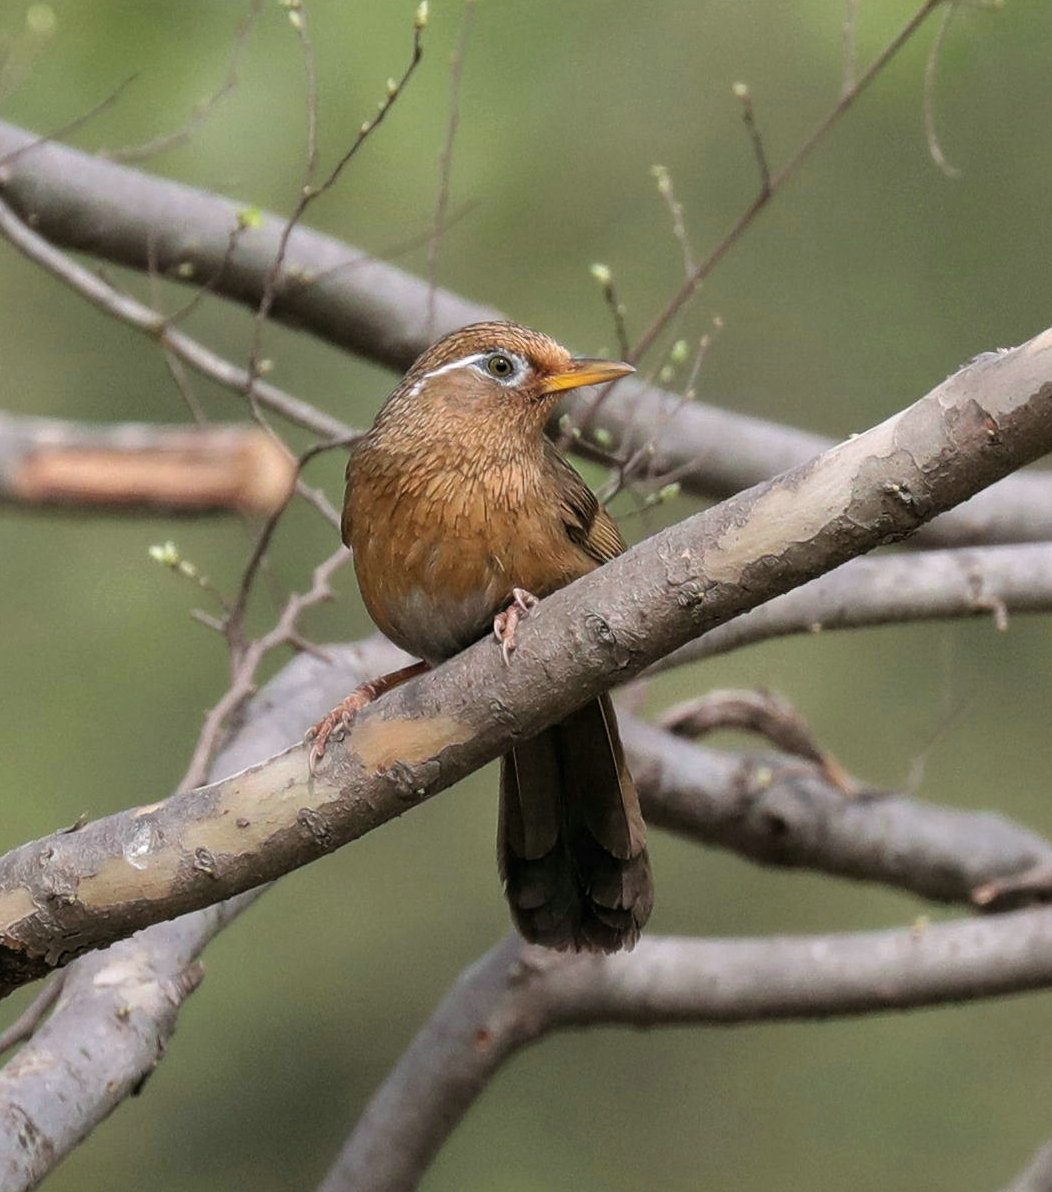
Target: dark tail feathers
[572,842]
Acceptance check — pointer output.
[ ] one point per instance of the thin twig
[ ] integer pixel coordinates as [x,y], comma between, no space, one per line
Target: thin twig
[71,125]
[778,180]
[742,92]
[150,322]
[445,162]
[772,185]
[202,110]
[930,71]
[309,192]
[242,684]
[636,466]
[235,620]
[27,1022]
[605,277]
[675,210]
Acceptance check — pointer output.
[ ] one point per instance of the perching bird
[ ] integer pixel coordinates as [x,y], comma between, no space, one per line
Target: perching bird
[460,513]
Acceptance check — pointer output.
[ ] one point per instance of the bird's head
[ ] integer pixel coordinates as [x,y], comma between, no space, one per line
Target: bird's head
[500,374]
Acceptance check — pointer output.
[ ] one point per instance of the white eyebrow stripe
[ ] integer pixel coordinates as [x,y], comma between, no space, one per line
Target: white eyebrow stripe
[453,365]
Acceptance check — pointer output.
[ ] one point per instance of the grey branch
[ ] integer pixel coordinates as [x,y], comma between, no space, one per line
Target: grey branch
[992,581]
[110,1028]
[114,1017]
[773,810]
[784,811]
[176,470]
[518,994]
[122,215]
[72,892]
[1038,1175]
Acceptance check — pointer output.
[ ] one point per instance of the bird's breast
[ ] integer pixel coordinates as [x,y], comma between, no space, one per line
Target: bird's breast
[437,553]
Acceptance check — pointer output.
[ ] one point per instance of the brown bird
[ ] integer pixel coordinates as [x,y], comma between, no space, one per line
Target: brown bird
[461,514]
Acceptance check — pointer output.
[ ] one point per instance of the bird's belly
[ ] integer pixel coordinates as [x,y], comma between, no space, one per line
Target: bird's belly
[437,625]
[431,598]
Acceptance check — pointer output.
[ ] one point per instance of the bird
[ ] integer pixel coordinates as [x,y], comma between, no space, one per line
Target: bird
[462,514]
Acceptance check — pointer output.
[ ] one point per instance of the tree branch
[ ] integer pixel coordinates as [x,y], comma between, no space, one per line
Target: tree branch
[345,296]
[116,1013]
[992,581]
[176,470]
[1038,1175]
[71,892]
[783,811]
[518,994]
[110,1028]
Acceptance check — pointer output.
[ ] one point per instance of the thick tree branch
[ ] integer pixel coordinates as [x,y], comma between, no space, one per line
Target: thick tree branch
[109,1030]
[771,809]
[992,581]
[518,994]
[783,811]
[121,215]
[176,470]
[72,892]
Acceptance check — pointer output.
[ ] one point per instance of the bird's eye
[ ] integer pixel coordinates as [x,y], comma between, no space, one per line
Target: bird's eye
[499,366]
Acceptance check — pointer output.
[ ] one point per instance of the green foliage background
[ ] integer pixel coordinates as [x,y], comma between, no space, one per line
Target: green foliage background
[867,281]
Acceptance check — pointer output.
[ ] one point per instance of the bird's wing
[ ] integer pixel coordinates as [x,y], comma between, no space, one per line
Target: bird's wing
[587,522]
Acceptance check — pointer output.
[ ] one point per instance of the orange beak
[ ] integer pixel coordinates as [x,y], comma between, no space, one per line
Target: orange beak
[585,372]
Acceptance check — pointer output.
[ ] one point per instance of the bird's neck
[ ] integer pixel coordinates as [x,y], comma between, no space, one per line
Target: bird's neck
[445,437]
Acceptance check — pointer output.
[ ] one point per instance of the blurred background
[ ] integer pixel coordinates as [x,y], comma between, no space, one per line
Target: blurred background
[867,281]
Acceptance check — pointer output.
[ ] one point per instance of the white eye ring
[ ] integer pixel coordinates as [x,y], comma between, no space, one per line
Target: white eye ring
[505,367]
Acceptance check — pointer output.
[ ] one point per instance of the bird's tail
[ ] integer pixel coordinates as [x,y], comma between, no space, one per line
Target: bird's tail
[571,841]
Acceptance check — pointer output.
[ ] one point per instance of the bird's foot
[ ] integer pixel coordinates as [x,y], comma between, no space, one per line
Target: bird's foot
[339,720]
[506,623]
[335,723]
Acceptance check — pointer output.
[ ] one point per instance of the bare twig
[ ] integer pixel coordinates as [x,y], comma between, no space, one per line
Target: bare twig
[930,71]
[675,210]
[763,712]
[135,314]
[64,130]
[235,622]
[445,162]
[742,93]
[771,185]
[638,464]
[202,110]
[778,180]
[603,274]
[309,192]
[34,1014]
[248,659]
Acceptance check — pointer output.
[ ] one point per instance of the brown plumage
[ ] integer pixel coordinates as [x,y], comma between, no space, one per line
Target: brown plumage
[455,499]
